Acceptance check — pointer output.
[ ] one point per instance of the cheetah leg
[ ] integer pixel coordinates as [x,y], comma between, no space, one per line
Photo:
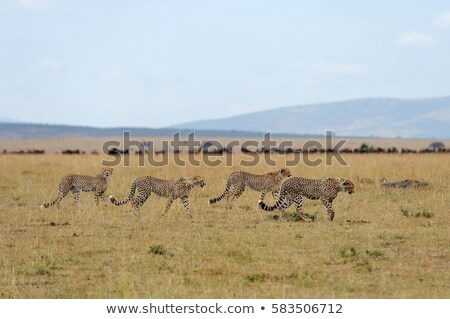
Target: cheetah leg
[237,192]
[104,198]
[137,202]
[97,197]
[299,207]
[76,197]
[284,206]
[168,204]
[61,194]
[330,211]
[228,196]
[185,200]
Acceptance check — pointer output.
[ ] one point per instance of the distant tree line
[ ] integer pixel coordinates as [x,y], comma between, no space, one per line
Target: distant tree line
[206,147]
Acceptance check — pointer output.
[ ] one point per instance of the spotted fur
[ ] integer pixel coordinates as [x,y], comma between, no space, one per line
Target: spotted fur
[82,183]
[293,190]
[171,189]
[237,182]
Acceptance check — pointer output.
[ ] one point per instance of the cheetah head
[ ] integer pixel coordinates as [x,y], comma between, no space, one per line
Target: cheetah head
[346,186]
[285,173]
[107,172]
[194,181]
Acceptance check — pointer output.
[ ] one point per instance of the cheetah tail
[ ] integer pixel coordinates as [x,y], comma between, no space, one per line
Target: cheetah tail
[126,200]
[47,205]
[278,203]
[218,199]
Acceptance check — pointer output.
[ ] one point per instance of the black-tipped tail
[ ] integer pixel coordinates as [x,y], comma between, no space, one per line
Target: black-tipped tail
[279,203]
[266,207]
[47,205]
[218,199]
[126,200]
[118,203]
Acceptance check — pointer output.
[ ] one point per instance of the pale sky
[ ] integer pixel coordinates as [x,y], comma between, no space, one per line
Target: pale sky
[156,63]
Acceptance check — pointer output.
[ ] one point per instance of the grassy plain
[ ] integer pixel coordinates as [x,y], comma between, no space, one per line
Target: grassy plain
[382,244]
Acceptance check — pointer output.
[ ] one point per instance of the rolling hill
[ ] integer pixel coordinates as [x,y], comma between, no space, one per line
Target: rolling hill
[11,131]
[381,117]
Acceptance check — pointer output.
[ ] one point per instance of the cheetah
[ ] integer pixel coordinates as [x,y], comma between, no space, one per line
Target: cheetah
[171,189]
[294,188]
[82,183]
[269,182]
[406,183]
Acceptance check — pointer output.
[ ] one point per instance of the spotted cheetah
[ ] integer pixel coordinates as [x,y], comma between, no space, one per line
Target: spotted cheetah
[81,183]
[171,189]
[406,183]
[294,188]
[269,182]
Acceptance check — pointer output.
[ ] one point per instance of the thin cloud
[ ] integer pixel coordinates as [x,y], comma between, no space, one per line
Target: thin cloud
[442,20]
[414,38]
[33,4]
[342,68]
[50,64]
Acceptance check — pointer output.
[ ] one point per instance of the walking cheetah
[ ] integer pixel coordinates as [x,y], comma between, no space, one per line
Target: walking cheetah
[171,189]
[294,188]
[81,183]
[269,182]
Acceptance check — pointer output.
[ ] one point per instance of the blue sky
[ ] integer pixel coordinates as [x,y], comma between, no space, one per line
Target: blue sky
[158,63]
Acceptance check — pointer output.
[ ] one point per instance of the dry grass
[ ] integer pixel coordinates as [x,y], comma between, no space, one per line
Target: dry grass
[382,244]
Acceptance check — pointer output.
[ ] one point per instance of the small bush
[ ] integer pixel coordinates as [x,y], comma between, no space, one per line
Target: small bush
[256,277]
[42,271]
[364,265]
[418,214]
[424,213]
[157,250]
[348,253]
[405,212]
[374,253]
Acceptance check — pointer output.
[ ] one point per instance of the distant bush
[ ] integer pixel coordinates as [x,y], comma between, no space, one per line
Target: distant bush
[408,213]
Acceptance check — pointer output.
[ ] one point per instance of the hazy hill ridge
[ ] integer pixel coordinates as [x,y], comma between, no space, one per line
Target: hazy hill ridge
[383,117]
[377,117]
[45,131]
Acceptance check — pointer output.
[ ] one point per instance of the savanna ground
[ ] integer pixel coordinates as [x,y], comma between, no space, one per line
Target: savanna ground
[382,244]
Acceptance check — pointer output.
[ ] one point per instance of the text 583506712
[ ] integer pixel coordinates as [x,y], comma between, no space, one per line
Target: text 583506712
[307,308]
